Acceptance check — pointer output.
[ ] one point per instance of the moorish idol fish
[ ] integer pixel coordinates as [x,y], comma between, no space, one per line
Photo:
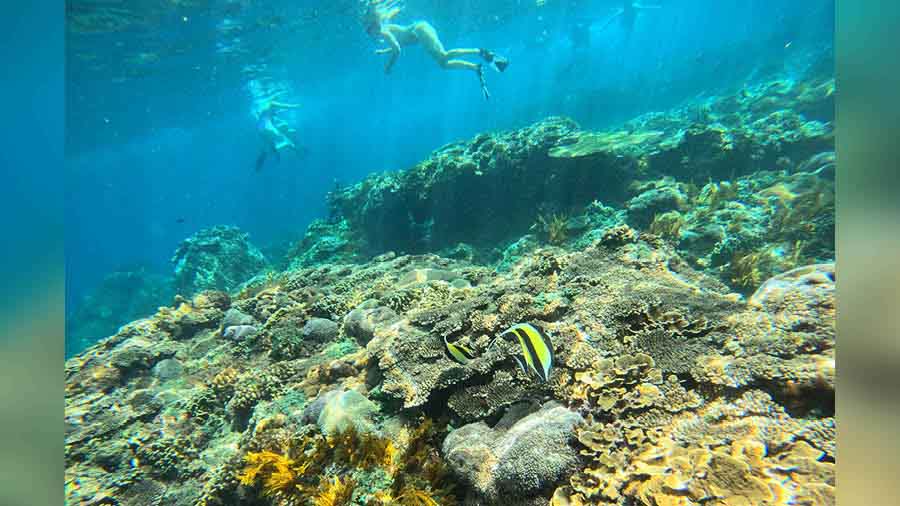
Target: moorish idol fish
[458,352]
[537,350]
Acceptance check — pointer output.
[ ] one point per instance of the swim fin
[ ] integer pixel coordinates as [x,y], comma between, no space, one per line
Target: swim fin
[484,89]
[498,62]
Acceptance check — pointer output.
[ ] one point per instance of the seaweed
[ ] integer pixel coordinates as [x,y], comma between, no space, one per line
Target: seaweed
[667,225]
[309,471]
[335,492]
[555,227]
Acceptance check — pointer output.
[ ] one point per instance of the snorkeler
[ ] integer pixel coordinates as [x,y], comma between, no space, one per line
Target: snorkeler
[377,19]
[628,13]
[274,139]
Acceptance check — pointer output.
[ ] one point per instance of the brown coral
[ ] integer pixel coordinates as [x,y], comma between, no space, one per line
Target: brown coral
[719,455]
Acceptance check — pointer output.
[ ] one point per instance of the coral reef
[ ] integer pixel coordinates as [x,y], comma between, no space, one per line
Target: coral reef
[218,258]
[690,312]
[326,241]
[121,297]
[448,198]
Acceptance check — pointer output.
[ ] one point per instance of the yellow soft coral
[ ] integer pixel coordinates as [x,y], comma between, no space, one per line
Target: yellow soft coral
[362,451]
[278,473]
[257,462]
[335,493]
[415,497]
[418,477]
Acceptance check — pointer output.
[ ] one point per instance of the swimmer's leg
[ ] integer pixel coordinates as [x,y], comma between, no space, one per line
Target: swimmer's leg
[484,90]
[428,37]
[460,65]
[466,65]
[456,53]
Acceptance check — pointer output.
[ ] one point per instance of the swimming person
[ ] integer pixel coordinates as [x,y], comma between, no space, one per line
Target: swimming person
[270,129]
[628,13]
[377,18]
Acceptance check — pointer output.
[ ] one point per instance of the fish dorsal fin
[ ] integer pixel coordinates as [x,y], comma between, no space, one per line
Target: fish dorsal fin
[521,364]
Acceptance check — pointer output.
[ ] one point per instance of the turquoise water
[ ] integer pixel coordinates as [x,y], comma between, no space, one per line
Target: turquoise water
[582,255]
[162,139]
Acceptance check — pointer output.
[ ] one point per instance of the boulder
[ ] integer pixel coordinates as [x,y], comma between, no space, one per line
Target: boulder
[520,457]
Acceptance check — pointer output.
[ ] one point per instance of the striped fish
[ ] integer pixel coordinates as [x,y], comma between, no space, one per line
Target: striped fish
[458,352]
[537,350]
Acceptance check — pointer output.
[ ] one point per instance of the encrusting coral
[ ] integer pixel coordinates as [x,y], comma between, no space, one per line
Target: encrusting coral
[722,454]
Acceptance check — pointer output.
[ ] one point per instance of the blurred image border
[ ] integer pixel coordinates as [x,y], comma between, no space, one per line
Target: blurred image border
[33,277]
[868,243]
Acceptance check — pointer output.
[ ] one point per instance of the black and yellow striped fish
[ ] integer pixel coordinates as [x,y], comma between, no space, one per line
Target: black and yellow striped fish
[458,352]
[537,350]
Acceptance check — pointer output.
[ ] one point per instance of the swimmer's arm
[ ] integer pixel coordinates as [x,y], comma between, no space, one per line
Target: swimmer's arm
[612,18]
[282,105]
[392,41]
[394,49]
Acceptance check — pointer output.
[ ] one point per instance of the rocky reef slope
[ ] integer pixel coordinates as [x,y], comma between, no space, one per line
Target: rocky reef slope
[330,383]
[737,160]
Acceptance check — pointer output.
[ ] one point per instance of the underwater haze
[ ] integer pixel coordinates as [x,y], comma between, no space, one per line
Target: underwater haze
[385,252]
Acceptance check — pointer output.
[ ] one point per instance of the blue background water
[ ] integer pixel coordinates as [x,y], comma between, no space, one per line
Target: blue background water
[158,114]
